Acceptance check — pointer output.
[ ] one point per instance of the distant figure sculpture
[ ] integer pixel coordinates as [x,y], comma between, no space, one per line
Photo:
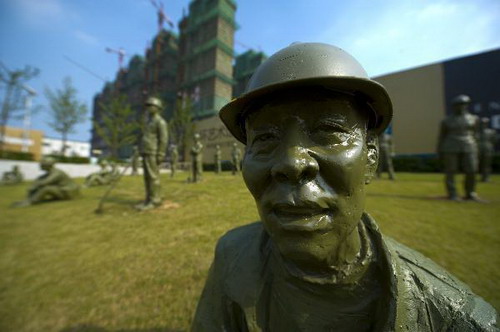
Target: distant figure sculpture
[102,177]
[197,158]
[457,147]
[218,159]
[317,261]
[487,141]
[153,149]
[174,159]
[53,185]
[135,161]
[236,158]
[386,147]
[12,177]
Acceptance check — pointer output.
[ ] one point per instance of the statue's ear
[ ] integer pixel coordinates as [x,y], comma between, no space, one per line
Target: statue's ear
[371,156]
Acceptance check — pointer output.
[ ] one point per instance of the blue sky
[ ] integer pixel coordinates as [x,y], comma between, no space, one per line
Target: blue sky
[384,35]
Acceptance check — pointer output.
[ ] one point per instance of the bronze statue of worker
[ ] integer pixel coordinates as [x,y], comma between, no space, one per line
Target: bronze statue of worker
[386,153]
[102,177]
[457,147]
[13,176]
[153,149]
[174,159]
[317,261]
[487,141]
[53,185]
[196,158]
[236,159]
[218,159]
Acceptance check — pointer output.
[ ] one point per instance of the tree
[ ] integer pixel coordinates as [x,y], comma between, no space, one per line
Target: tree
[117,126]
[181,127]
[15,92]
[66,111]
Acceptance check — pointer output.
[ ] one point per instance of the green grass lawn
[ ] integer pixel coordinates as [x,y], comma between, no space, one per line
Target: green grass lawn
[63,268]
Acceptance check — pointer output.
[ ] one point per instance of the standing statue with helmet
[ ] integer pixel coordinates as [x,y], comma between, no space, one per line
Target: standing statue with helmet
[316,260]
[218,159]
[153,149]
[487,141]
[386,146]
[55,184]
[236,158]
[174,159]
[197,158]
[457,147]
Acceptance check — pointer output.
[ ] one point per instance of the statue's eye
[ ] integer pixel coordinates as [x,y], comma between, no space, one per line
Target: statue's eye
[265,137]
[330,127]
[329,132]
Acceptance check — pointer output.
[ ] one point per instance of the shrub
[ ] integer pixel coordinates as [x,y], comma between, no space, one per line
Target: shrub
[17,155]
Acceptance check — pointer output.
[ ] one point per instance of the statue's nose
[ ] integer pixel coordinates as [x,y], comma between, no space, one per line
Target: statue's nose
[296,165]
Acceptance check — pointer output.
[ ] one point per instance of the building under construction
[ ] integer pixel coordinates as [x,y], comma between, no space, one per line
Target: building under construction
[198,64]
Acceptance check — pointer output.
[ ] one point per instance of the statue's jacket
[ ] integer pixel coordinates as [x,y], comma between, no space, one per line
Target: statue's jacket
[155,136]
[423,296]
[458,134]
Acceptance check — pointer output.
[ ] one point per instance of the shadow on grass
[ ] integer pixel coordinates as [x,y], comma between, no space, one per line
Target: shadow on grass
[93,328]
[123,200]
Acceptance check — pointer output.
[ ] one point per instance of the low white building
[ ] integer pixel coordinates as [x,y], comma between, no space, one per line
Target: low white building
[73,148]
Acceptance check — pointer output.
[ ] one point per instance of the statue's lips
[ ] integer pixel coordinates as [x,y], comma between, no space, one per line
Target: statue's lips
[303,218]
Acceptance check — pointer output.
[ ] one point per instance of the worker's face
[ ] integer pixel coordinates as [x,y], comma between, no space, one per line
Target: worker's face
[151,109]
[306,164]
[461,108]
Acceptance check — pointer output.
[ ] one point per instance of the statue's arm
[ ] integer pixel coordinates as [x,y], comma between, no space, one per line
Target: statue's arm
[162,139]
[50,178]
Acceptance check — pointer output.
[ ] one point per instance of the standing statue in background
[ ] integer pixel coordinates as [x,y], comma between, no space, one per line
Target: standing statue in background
[135,160]
[197,158]
[317,261]
[12,177]
[153,148]
[53,185]
[487,140]
[457,147]
[236,158]
[386,147]
[174,159]
[218,159]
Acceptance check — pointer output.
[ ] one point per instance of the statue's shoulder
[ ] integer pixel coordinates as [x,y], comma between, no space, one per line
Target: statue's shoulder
[240,246]
[240,238]
[160,120]
[444,294]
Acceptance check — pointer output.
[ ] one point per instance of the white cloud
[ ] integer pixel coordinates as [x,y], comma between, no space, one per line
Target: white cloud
[86,38]
[404,34]
[42,13]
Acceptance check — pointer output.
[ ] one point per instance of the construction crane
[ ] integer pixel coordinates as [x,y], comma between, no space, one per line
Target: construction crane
[246,46]
[162,16]
[121,55]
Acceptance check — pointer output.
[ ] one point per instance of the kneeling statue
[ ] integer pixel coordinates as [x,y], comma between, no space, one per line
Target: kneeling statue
[53,185]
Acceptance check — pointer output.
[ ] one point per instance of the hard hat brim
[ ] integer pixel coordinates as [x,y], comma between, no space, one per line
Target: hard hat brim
[374,94]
